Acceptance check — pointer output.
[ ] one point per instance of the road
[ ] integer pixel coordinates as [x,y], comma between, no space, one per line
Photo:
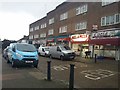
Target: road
[87,75]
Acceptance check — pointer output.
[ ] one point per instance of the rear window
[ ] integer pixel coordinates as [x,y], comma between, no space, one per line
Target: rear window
[46,49]
[26,48]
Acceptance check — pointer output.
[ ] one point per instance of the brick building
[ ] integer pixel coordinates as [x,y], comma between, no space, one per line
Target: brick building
[93,26]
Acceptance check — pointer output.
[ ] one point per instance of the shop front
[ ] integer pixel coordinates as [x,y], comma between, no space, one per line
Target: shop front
[106,43]
[79,43]
[63,39]
[51,41]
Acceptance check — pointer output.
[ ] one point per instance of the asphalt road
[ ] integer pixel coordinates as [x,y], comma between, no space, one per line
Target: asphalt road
[87,75]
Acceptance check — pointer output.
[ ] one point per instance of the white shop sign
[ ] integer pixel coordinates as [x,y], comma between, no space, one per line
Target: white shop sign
[105,34]
[79,37]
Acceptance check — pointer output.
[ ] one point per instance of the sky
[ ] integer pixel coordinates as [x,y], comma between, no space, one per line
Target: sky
[16,15]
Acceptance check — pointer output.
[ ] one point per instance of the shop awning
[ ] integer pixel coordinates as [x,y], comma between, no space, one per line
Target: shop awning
[110,41]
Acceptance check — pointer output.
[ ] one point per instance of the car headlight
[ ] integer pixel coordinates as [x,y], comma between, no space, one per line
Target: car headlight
[19,55]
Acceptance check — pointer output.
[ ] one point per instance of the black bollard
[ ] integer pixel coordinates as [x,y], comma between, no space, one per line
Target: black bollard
[95,58]
[71,78]
[49,71]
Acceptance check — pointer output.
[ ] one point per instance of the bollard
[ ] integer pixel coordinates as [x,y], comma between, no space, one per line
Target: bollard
[49,71]
[71,78]
[95,58]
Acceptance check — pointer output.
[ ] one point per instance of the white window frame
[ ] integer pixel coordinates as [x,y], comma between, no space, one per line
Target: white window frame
[82,9]
[63,29]
[51,32]
[107,2]
[81,26]
[36,36]
[37,28]
[64,16]
[31,29]
[42,35]
[51,21]
[31,37]
[44,25]
[110,20]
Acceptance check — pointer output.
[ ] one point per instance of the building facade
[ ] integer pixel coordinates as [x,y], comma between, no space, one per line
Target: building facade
[84,26]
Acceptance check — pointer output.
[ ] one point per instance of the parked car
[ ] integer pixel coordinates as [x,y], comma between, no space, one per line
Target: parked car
[23,54]
[62,52]
[44,51]
[5,52]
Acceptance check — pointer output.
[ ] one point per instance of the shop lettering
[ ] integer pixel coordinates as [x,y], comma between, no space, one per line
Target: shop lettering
[104,34]
[79,36]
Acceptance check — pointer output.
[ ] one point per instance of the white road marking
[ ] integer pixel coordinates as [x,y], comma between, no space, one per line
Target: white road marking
[97,74]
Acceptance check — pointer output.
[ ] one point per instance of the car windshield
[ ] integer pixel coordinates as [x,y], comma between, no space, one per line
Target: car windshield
[26,47]
[65,48]
[46,49]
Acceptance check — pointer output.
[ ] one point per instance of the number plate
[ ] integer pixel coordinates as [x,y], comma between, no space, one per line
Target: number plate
[29,61]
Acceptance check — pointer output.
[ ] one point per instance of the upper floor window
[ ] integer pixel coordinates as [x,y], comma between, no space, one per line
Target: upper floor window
[36,36]
[64,16]
[31,37]
[51,20]
[50,32]
[37,27]
[81,9]
[110,20]
[43,25]
[31,29]
[63,29]
[81,26]
[43,35]
[106,2]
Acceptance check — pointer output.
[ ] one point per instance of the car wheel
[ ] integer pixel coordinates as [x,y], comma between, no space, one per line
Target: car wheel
[36,66]
[61,58]
[13,63]
[51,57]
[8,60]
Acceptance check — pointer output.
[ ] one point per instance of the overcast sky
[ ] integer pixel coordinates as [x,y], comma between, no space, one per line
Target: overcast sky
[15,16]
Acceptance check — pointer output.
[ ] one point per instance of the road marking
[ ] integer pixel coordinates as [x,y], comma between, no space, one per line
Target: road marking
[97,74]
[62,67]
[12,76]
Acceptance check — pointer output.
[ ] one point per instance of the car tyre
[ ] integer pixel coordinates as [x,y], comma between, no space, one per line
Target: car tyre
[8,60]
[13,63]
[36,66]
[61,58]
[51,57]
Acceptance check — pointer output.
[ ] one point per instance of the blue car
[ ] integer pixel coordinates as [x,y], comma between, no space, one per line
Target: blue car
[22,54]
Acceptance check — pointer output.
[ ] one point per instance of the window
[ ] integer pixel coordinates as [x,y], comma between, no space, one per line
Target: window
[50,32]
[31,37]
[51,20]
[81,9]
[81,26]
[117,18]
[37,27]
[43,35]
[110,20]
[36,36]
[31,29]
[43,25]
[63,29]
[107,2]
[64,16]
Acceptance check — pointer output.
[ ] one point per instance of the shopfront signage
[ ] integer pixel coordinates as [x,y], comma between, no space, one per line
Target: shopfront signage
[79,37]
[105,34]
[50,40]
[63,39]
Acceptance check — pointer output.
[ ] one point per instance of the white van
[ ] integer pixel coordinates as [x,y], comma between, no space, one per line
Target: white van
[44,51]
[62,52]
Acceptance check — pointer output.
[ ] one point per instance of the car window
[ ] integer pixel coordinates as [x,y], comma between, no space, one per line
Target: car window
[65,48]
[26,47]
